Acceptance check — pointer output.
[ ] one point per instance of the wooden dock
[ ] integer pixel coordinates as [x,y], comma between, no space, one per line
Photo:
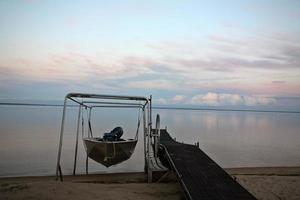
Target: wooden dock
[200,177]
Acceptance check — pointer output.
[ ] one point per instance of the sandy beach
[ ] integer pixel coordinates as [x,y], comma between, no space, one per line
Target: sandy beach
[265,183]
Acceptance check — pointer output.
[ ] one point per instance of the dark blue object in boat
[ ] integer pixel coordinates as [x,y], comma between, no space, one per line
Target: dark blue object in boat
[114,135]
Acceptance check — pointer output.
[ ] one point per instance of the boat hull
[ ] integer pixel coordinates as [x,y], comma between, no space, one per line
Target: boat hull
[109,153]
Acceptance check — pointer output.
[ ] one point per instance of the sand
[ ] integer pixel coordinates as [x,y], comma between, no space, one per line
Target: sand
[270,183]
[264,183]
[103,186]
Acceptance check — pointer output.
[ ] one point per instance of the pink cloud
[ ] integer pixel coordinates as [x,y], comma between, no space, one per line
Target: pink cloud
[278,82]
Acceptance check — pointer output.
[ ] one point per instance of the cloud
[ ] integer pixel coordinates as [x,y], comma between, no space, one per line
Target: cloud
[246,64]
[77,67]
[252,65]
[221,99]
[278,82]
[268,51]
[178,99]
[152,84]
[218,99]
[161,101]
[220,53]
[228,54]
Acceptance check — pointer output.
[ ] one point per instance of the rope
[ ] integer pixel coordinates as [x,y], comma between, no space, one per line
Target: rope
[82,123]
[90,126]
[90,130]
[138,126]
[106,154]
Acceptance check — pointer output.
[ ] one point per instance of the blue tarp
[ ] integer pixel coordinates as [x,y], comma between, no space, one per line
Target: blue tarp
[114,135]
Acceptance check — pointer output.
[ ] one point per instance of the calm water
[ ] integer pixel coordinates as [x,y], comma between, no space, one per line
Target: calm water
[29,138]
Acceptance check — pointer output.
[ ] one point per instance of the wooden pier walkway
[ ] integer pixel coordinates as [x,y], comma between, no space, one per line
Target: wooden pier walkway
[200,177]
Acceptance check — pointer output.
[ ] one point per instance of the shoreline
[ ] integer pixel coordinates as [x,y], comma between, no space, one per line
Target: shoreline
[263,182]
[278,170]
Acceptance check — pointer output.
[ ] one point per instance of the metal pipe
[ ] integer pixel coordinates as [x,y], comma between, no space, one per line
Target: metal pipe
[145,135]
[76,144]
[99,96]
[87,164]
[106,106]
[61,140]
[151,111]
[76,101]
[112,103]
[156,136]
[148,146]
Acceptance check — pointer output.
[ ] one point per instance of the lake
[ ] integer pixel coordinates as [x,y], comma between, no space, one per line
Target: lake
[29,138]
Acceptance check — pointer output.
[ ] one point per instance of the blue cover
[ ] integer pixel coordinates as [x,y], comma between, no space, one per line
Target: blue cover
[114,135]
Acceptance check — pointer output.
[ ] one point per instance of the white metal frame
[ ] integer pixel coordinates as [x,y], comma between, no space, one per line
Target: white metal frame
[112,101]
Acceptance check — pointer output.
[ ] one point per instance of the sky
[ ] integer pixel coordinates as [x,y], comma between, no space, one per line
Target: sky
[200,53]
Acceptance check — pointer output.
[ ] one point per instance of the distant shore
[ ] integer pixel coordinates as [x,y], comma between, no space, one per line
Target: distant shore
[263,182]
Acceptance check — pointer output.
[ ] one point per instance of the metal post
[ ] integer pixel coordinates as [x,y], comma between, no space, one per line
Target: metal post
[61,139]
[87,164]
[145,135]
[89,134]
[149,172]
[151,111]
[157,133]
[76,145]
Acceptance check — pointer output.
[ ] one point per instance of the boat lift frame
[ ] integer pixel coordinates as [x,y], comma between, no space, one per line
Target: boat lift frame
[113,101]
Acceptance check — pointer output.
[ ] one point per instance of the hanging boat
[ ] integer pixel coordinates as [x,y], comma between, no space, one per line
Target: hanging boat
[109,153]
[110,149]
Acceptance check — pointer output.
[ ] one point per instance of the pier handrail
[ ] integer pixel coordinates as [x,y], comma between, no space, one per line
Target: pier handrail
[177,173]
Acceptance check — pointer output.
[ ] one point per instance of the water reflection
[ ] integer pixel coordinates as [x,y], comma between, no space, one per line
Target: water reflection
[29,138]
[236,139]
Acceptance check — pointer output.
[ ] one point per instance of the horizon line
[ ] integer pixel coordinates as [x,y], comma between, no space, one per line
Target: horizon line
[157,108]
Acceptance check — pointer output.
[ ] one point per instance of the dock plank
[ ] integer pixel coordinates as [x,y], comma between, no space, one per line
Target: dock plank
[200,176]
